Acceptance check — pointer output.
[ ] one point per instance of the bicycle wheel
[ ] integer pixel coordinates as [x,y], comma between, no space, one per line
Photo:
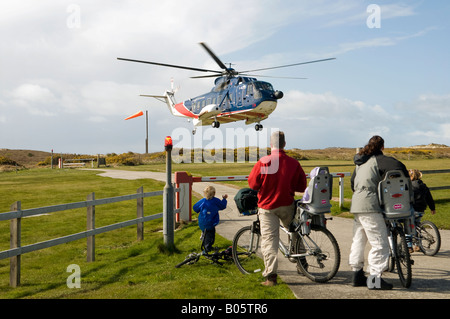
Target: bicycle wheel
[402,257]
[429,238]
[323,254]
[247,251]
[190,259]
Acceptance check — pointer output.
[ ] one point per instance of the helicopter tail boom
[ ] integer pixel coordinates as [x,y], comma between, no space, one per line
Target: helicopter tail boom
[169,99]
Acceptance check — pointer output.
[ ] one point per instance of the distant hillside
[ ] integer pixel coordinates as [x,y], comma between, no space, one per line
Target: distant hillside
[432,145]
[24,157]
[9,159]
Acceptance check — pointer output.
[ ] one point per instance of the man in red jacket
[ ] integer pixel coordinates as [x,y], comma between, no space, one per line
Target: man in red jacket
[276,177]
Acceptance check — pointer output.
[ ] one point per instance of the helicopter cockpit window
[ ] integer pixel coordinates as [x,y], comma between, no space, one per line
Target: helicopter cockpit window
[264,86]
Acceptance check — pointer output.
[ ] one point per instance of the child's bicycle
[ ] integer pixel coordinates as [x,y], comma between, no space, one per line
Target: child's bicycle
[215,257]
[427,236]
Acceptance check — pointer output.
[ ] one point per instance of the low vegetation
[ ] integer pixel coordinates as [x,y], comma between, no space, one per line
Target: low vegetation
[30,159]
[124,268]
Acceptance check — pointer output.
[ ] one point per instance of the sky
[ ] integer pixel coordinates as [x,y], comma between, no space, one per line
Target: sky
[63,89]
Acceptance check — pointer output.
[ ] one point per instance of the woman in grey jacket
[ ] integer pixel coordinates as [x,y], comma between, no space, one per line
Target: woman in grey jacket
[369,224]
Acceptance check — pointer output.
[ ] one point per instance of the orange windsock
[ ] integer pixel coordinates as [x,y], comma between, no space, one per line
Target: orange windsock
[140,113]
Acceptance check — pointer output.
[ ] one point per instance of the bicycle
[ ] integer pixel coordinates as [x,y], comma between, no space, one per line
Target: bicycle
[396,197]
[214,257]
[399,256]
[310,244]
[426,236]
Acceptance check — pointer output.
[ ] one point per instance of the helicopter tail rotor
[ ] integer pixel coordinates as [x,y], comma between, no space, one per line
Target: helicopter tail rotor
[174,89]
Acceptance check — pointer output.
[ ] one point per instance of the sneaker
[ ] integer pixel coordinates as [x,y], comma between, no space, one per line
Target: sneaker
[359,279]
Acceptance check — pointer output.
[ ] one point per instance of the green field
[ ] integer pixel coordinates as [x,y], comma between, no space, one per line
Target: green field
[125,268]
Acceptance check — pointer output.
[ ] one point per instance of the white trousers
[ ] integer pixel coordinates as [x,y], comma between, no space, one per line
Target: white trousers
[370,227]
[270,234]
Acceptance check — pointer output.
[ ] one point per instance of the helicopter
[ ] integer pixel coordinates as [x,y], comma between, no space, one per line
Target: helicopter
[236,96]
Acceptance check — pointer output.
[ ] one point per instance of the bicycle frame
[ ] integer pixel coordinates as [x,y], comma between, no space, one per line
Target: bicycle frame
[391,224]
[286,252]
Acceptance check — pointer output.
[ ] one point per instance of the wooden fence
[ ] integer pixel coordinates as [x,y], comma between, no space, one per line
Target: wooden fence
[440,171]
[16,214]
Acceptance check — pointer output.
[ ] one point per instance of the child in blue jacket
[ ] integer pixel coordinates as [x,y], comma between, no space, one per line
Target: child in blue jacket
[208,217]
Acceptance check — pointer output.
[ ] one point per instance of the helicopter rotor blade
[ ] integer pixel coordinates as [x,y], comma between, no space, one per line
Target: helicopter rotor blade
[288,65]
[274,77]
[220,63]
[205,76]
[171,65]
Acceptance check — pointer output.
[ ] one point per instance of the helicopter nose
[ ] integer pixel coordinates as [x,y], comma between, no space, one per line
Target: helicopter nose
[278,95]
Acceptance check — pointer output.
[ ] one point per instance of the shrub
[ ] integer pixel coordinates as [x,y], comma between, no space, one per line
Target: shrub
[127,159]
[6,161]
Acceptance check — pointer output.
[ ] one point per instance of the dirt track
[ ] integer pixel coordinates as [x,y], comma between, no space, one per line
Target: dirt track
[431,275]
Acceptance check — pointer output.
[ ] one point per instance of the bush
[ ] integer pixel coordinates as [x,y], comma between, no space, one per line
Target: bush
[6,161]
[127,159]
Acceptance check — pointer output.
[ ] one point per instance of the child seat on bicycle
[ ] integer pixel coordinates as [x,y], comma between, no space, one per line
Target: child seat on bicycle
[316,199]
[395,195]
[317,196]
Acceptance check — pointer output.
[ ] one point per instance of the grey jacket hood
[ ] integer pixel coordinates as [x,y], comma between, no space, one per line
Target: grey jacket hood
[361,159]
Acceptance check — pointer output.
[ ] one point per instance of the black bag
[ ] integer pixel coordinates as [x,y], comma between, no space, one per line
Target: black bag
[246,201]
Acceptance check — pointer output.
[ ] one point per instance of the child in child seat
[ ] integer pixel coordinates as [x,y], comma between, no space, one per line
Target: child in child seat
[208,215]
[422,200]
[306,196]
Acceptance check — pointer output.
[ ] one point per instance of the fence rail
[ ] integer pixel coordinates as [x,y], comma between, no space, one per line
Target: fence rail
[16,214]
[437,171]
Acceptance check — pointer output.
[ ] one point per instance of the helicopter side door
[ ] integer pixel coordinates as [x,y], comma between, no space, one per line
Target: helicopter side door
[248,98]
[240,95]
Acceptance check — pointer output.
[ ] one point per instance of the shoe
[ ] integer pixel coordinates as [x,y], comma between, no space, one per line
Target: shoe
[382,285]
[271,281]
[411,250]
[416,248]
[359,279]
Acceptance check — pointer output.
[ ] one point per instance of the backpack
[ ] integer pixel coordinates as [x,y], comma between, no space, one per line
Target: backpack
[246,201]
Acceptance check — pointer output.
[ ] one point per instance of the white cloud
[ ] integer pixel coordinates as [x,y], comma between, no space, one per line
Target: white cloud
[36,99]
[32,93]
[322,120]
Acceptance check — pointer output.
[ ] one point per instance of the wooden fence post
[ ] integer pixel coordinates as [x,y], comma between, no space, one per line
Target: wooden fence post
[140,213]
[90,224]
[15,229]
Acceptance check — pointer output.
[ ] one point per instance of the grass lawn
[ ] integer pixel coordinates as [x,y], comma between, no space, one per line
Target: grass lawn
[124,268]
